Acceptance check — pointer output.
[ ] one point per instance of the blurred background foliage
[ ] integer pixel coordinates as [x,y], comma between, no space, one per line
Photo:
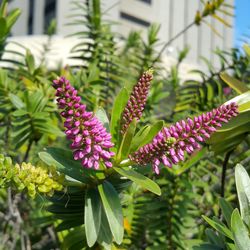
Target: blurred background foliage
[29,122]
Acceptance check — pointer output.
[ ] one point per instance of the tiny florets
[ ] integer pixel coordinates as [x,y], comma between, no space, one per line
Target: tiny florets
[137,100]
[170,144]
[33,179]
[90,140]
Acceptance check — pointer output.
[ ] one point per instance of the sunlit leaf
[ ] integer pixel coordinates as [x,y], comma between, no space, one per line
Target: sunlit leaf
[235,84]
[240,232]
[139,179]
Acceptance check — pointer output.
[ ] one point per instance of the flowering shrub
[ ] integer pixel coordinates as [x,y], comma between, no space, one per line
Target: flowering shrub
[93,145]
[28,177]
[91,142]
[114,158]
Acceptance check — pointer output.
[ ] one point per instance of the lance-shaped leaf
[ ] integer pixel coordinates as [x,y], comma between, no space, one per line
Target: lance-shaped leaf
[64,163]
[92,216]
[145,136]
[235,84]
[105,234]
[219,226]
[126,141]
[119,105]
[243,190]
[102,116]
[240,232]
[113,210]
[226,209]
[139,179]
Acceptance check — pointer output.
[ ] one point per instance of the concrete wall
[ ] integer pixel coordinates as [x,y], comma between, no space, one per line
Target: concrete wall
[172,15]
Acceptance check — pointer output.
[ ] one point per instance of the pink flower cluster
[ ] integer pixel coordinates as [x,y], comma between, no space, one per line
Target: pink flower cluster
[90,140]
[170,144]
[137,100]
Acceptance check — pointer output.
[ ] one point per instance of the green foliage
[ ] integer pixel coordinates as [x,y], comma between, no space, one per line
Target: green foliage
[124,207]
[139,179]
[92,216]
[145,214]
[119,105]
[234,132]
[32,119]
[196,95]
[7,20]
[113,210]
[235,234]
[96,48]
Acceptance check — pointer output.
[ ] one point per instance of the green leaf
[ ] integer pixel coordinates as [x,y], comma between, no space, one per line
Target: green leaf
[64,163]
[145,136]
[139,137]
[74,240]
[228,140]
[12,18]
[231,246]
[67,224]
[102,116]
[232,133]
[226,209]
[240,231]
[214,238]
[242,100]
[29,58]
[48,128]
[139,179]
[92,216]
[220,227]
[113,210]
[20,112]
[3,27]
[126,141]
[16,101]
[105,234]
[3,8]
[243,190]
[206,246]
[119,105]
[235,84]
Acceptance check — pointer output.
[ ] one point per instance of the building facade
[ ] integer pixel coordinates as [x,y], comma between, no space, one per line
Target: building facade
[172,15]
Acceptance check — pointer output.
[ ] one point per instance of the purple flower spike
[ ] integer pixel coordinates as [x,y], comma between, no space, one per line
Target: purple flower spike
[137,100]
[90,140]
[169,144]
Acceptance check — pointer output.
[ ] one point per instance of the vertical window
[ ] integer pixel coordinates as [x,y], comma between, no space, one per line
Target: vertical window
[134,19]
[49,12]
[146,1]
[31,17]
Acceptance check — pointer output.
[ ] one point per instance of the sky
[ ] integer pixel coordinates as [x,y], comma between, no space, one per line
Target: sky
[242,20]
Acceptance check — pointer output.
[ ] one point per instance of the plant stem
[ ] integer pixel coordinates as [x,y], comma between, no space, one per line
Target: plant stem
[26,156]
[170,41]
[223,175]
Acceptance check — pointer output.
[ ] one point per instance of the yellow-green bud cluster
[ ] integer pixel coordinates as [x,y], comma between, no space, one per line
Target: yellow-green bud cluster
[27,177]
[209,9]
